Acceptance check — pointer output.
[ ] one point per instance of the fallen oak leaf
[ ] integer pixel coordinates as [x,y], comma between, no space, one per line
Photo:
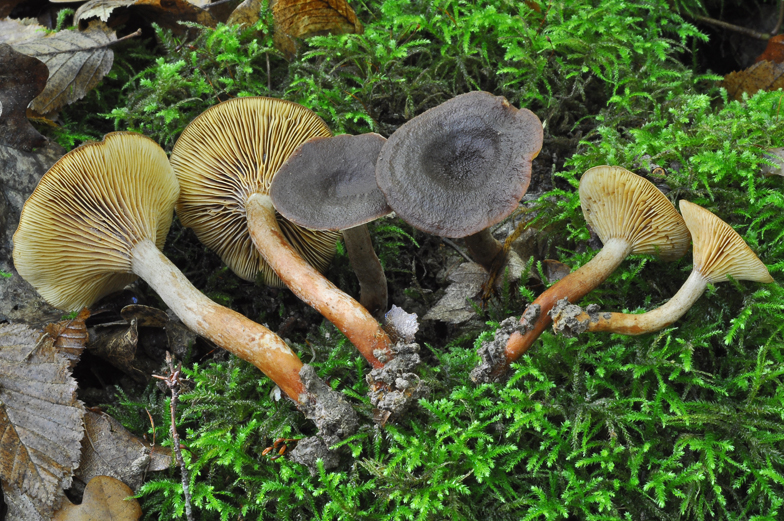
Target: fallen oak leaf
[40,417]
[22,78]
[77,61]
[104,498]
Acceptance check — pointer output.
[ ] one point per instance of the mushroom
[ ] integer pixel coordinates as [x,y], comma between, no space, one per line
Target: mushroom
[329,183]
[97,220]
[630,216]
[225,160]
[719,253]
[460,167]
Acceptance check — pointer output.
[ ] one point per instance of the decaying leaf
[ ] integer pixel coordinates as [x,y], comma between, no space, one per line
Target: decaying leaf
[764,75]
[40,418]
[774,52]
[70,336]
[77,61]
[775,156]
[166,13]
[22,78]
[104,499]
[109,449]
[118,342]
[300,19]
[15,31]
[555,270]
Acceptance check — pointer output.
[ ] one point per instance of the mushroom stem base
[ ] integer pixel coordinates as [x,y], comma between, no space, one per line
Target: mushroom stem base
[228,329]
[494,365]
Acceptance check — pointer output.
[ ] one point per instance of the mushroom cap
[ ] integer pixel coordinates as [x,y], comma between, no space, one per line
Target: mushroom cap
[228,153]
[719,250]
[78,227]
[462,166]
[618,204]
[329,183]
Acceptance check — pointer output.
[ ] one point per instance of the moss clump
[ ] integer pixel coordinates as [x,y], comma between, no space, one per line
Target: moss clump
[681,424]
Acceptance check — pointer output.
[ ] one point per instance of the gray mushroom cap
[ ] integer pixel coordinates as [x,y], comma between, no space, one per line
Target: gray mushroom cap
[461,166]
[329,183]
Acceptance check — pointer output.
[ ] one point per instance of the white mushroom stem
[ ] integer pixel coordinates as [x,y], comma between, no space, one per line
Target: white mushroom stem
[654,320]
[228,329]
[312,287]
[372,281]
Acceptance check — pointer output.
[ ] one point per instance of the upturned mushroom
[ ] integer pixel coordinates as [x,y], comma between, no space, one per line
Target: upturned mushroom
[460,167]
[630,216]
[329,183]
[225,160]
[719,253]
[97,220]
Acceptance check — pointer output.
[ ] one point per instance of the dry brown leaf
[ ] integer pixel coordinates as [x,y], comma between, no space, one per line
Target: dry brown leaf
[77,61]
[166,13]
[303,18]
[70,336]
[15,31]
[104,499]
[774,52]
[22,78]
[109,449]
[40,418]
[764,75]
[300,19]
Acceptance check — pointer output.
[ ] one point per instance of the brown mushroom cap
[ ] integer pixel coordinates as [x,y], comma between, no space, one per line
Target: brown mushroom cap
[329,183]
[77,229]
[228,153]
[461,166]
[719,250]
[619,204]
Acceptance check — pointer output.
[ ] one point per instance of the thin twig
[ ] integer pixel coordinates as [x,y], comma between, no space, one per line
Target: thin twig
[451,243]
[780,19]
[172,381]
[736,28]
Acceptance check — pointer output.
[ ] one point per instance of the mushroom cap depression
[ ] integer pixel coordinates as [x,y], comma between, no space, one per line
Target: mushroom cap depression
[228,153]
[619,204]
[78,227]
[462,166]
[719,250]
[329,183]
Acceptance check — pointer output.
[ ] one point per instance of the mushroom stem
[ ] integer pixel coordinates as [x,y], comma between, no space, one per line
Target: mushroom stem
[228,329]
[367,267]
[535,318]
[483,248]
[628,324]
[311,286]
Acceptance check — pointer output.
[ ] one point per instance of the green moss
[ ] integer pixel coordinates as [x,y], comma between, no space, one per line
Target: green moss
[686,423]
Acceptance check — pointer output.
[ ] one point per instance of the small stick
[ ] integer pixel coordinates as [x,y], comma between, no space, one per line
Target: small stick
[730,27]
[172,381]
[779,20]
